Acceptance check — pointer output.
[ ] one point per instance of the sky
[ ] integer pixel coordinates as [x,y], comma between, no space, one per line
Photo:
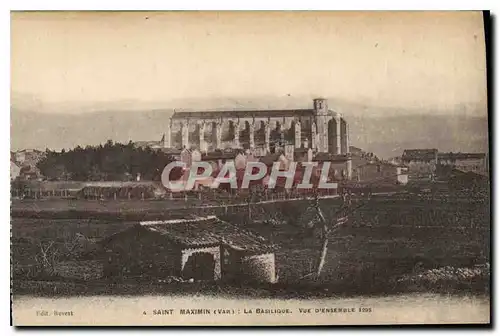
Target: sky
[394,59]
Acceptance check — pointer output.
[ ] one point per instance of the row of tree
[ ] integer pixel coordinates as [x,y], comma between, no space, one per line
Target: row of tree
[108,162]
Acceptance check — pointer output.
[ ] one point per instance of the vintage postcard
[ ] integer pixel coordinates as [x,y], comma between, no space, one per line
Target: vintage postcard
[249,168]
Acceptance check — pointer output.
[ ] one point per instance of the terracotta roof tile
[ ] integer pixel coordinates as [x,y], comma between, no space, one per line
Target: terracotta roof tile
[207,231]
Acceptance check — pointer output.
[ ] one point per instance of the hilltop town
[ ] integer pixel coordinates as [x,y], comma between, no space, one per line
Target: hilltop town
[316,135]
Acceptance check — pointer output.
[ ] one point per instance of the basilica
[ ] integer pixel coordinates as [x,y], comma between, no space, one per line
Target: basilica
[261,131]
[315,134]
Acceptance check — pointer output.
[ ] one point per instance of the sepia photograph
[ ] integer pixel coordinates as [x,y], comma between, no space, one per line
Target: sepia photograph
[249,168]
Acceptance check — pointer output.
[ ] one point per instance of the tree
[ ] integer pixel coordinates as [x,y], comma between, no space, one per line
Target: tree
[113,161]
[328,226]
[47,257]
[72,244]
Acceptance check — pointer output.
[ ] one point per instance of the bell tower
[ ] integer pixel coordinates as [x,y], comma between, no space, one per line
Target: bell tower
[320,106]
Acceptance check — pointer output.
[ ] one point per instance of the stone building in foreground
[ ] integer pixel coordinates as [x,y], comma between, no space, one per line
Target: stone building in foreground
[199,248]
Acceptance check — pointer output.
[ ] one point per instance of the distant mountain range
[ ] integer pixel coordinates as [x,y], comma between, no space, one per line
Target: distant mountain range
[383,131]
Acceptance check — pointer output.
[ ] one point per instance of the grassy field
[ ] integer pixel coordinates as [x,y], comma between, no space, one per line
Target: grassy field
[383,240]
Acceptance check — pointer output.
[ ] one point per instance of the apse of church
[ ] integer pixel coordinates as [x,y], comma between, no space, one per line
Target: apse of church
[264,131]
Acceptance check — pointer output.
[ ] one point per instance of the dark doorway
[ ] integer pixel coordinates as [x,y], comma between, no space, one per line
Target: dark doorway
[199,266]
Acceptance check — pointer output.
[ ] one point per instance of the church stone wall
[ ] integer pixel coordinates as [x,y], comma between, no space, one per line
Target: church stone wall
[319,128]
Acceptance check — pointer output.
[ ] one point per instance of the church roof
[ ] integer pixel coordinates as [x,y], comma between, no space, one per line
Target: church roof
[242,114]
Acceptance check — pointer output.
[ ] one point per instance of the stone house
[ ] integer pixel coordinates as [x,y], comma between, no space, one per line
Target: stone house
[467,162]
[340,165]
[281,160]
[421,162]
[383,172]
[15,170]
[192,248]
[303,155]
